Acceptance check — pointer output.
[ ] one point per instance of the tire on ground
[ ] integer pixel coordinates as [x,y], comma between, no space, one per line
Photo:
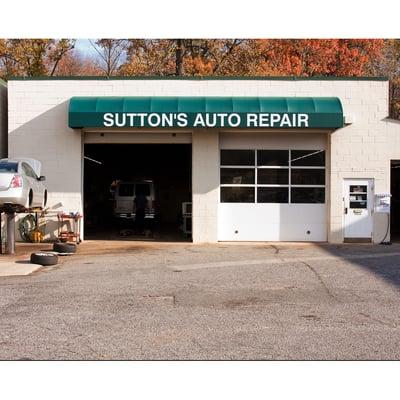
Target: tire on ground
[64,247]
[44,259]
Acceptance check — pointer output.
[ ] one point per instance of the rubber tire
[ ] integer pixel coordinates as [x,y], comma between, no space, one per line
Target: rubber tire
[64,247]
[44,259]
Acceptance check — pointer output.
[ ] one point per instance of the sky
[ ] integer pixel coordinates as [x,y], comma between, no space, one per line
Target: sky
[84,47]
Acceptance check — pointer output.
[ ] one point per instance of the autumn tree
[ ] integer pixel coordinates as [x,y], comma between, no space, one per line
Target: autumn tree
[56,52]
[310,57]
[32,57]
[110,54]
[150,57]
[182,57]
[76,64]
[389,65]
[214,57]
[299,57]
[205,56]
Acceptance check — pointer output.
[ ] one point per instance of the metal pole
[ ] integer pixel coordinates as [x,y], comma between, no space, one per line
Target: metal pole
[10,244]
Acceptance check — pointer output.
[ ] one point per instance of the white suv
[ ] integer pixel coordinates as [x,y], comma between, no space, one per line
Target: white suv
[124,196]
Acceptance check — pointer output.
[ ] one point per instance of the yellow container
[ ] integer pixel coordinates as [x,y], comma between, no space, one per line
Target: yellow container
[36,236]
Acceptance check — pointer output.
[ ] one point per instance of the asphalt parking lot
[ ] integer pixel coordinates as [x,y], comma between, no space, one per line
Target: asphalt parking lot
[221,302]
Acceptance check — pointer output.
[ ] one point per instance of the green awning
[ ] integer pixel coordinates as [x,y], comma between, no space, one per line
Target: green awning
[219,112]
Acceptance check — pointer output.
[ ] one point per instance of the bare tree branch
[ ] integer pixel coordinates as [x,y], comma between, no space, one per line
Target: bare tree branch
[110,52]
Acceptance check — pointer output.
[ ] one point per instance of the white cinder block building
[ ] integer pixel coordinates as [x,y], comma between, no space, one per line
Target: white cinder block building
[261,159]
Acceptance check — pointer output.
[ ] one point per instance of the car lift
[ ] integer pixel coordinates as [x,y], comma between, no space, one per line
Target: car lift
[10,243]
[10,228]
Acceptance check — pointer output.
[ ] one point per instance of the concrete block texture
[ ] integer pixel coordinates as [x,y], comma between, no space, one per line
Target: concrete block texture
[205,185]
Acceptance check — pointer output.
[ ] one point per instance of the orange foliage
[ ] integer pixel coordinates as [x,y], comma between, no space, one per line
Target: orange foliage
[307,57]
[74,64]
[197,66]
[223,57]
[298,57]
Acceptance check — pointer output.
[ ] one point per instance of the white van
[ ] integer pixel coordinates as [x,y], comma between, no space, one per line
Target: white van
[124,196]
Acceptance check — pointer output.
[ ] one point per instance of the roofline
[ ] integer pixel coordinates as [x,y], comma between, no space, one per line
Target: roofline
[3,83]
[201,78]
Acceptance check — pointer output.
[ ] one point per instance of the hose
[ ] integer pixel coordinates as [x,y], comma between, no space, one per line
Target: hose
[26,226]
[387,231]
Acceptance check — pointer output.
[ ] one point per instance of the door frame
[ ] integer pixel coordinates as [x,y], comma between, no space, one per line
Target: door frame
[372,199]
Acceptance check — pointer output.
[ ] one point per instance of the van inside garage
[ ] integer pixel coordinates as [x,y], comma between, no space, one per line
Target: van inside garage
[116,174]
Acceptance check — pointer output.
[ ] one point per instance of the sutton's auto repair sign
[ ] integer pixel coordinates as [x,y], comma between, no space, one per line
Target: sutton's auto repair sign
[205,112]
[206,120]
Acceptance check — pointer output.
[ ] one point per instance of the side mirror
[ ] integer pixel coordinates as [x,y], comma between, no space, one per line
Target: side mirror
[41,178]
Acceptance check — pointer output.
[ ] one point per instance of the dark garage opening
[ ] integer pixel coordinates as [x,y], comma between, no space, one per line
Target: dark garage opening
[395,200]
[109,172]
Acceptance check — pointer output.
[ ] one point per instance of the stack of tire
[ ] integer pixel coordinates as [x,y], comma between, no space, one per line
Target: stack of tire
[51,258]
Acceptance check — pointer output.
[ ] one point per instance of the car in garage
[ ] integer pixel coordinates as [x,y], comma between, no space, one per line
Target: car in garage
[124,197]
[21,185]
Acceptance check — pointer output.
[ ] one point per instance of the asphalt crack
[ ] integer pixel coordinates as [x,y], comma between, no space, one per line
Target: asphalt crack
[321,281]
[311,317]
[392,325]
[277,253]
[275,248]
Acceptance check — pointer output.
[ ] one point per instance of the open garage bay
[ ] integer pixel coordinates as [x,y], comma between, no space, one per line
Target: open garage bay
[115,174]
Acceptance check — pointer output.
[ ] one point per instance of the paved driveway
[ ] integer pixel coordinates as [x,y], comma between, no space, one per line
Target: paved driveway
[208,302]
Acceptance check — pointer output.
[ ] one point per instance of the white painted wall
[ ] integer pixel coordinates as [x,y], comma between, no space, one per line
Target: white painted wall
[38,111]
[205,185]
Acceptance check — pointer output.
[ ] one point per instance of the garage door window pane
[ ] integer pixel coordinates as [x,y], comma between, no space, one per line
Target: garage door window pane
[308,158]
[237,176]
[276,158]
[142,189]
[272,195]
[237,194]
[126,189]
[237,157]
[308,176]
[270,176]
[308,195]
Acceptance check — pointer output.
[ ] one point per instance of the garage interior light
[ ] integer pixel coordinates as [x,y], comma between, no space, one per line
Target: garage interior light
[91,159]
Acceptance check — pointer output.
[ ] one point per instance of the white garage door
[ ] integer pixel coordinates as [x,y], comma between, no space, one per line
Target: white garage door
[273,189]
